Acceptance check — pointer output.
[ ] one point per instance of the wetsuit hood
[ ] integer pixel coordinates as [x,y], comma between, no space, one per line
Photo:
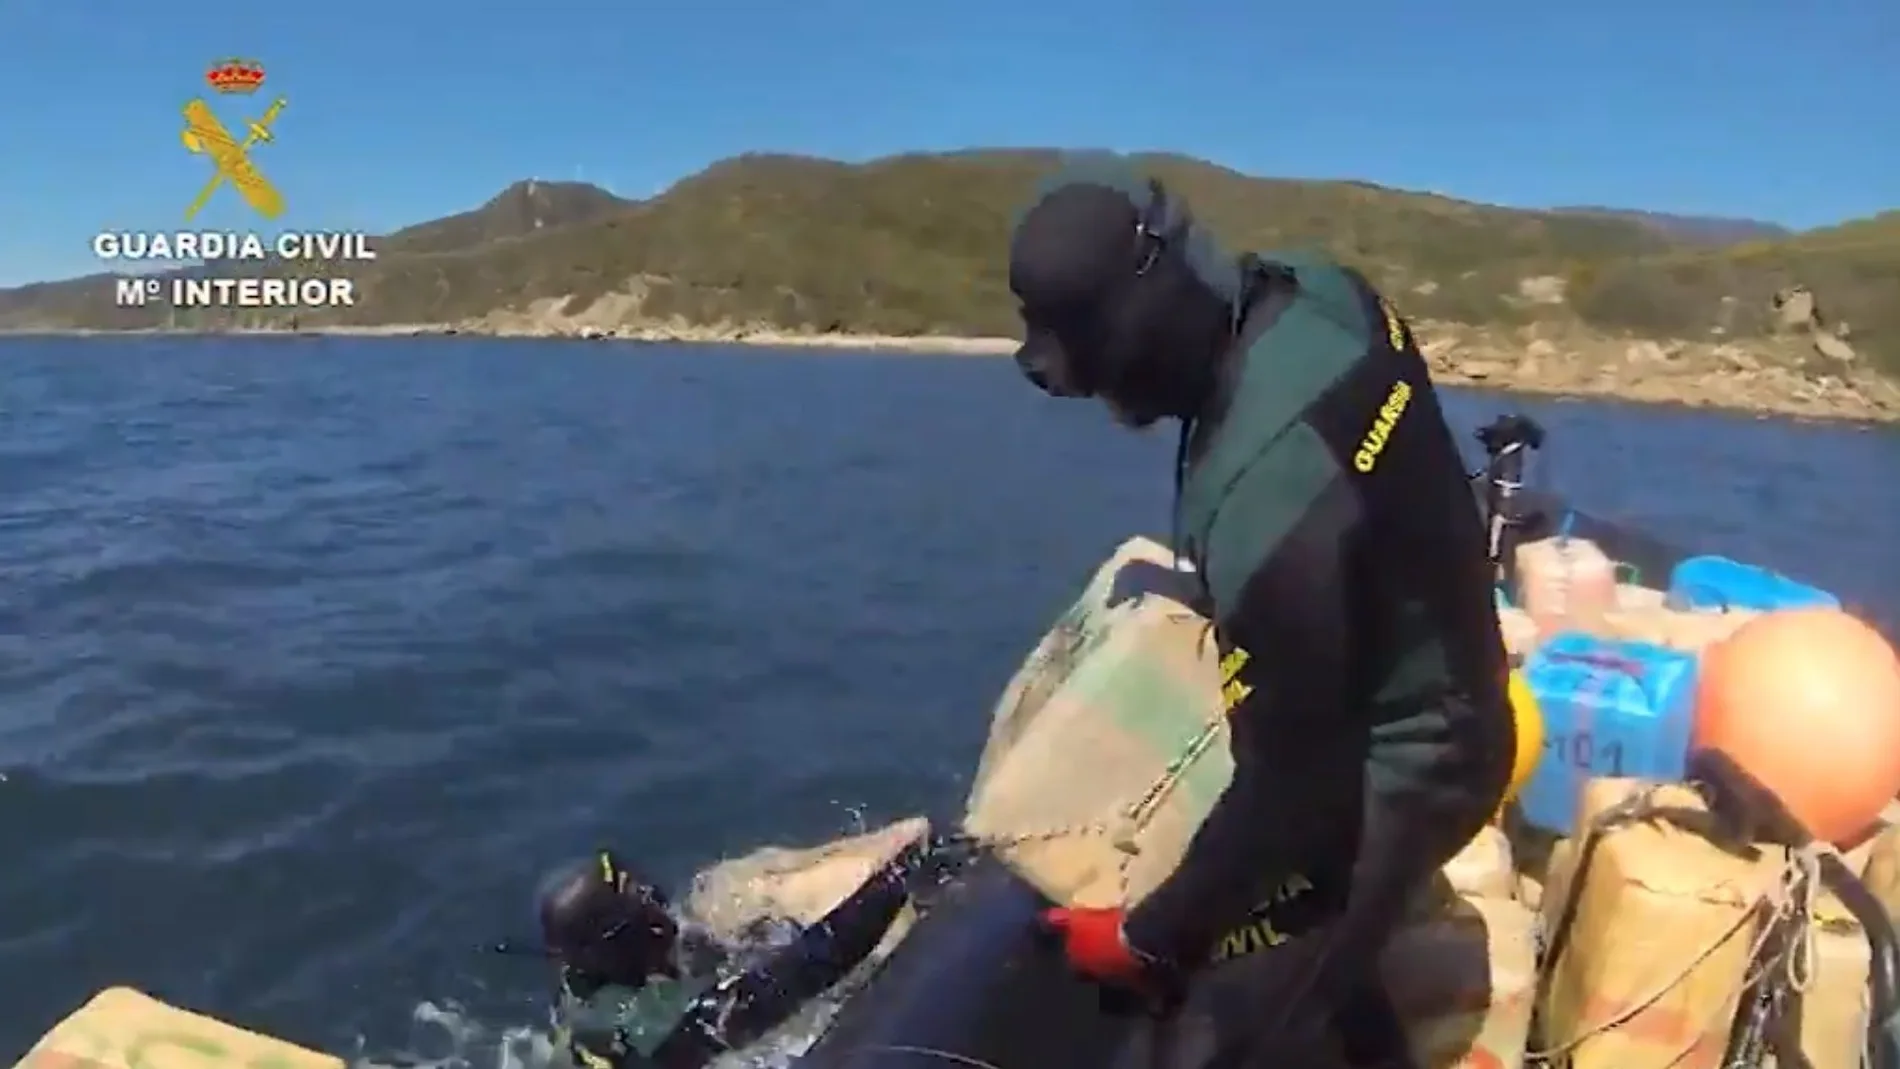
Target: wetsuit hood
[1123,295]
[607,924]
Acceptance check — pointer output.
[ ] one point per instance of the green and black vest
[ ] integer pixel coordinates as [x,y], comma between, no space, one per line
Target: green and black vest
[618,1027]
[1328,388]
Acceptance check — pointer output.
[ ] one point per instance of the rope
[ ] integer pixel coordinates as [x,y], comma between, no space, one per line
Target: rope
[932,1052]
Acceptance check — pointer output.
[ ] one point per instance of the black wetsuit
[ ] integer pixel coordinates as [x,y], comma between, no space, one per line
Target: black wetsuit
[711,1007]
[1325,506]
[1323,502]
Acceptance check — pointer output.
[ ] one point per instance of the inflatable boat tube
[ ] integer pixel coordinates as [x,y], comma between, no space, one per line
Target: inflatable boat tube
[974,983]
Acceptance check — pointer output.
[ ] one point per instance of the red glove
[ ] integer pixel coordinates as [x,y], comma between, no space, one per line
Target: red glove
[1095,945]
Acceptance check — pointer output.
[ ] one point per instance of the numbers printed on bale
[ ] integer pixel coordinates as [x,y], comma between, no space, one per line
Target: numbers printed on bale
[1582,751]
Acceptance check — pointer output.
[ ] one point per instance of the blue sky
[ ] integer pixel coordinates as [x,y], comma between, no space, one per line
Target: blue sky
[401,110]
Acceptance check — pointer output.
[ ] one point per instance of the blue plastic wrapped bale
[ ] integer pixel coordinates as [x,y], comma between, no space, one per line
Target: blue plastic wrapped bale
[1721,583]
[1610,709]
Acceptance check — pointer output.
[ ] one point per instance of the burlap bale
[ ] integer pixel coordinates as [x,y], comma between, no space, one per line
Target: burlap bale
[1880,869]
[1835,1008]
[799,885]
[124,1029]
[1635,596]
[1117,693]
[1483,868]
[1553,884]
[1519,632]
[1676,629]
[1655,959]
[1464,979]
[1627,989]
[1139,569]
[1530,891]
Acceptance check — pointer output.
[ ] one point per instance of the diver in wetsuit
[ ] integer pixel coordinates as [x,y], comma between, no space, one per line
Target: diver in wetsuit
[1322,501]
[637,990]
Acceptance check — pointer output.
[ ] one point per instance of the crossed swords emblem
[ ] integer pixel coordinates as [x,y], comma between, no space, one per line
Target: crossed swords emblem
[205,135]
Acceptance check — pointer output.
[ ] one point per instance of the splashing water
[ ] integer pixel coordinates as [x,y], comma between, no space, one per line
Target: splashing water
[446,1036]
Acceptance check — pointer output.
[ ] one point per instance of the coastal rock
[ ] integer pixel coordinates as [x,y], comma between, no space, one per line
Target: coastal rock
[1757,376]
[1795,308]
[1542,289]
[1645,352]
[1833,347]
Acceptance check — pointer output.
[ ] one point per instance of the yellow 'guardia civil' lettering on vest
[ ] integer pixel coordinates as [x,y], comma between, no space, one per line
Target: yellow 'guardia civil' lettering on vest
[1395,329]
[1261,932]
[1373,444]
[1233,690]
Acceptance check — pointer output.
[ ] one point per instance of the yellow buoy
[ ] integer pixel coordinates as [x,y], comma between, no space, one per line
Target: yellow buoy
[1529,722]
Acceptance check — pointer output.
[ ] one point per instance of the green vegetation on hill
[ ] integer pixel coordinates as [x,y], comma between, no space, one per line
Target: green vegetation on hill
[519,210]
[915,244]
[1853,269]
[1694,229]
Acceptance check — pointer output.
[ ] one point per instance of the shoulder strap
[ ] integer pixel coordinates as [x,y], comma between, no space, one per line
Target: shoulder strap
[1267,289]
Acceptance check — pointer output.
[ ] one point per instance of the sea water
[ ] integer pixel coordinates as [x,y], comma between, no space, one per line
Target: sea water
[316,653]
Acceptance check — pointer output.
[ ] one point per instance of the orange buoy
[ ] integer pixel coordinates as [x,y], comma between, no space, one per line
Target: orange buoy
[1808,702]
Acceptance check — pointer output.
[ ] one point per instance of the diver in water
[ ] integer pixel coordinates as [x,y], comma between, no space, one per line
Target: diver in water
[638,990]
[1322,501]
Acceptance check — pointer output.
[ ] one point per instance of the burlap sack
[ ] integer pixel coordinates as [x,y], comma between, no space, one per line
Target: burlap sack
[1653,965]
[1464,979]
[1553,884]
[1880,868]
[800,885]
[1628,990]
[1835,1007]
[1122,689]
[1676,629]
[1631,596]
[1139,569]
[1483,868]
[124,1029]
[1519,632]
[1118,694]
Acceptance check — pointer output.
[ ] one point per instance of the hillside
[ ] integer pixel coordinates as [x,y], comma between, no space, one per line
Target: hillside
[519,210]
[914,245]
[1693,229]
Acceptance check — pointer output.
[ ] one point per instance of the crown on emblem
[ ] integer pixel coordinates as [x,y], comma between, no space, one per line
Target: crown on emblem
[235,75]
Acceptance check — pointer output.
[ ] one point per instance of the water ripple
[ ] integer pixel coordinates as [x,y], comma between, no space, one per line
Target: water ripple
[311,665]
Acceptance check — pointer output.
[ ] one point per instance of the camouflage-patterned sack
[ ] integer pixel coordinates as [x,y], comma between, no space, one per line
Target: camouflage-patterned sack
[1116,710]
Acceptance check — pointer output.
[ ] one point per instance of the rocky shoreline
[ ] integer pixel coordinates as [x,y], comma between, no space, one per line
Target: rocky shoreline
[1771,376]
[1767,376]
